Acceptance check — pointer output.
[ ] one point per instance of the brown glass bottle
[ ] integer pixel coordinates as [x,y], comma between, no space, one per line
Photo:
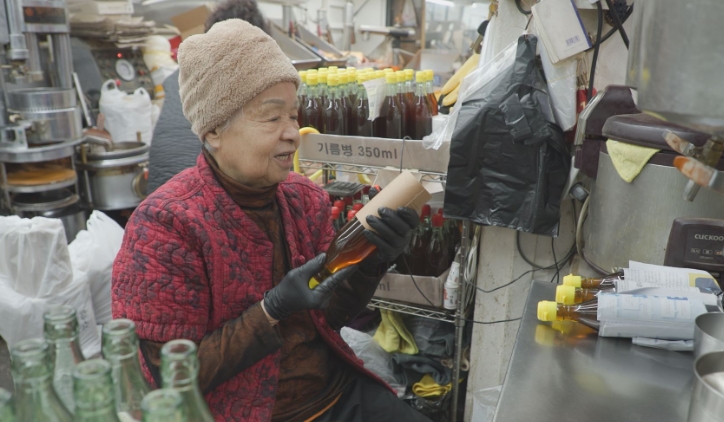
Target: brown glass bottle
[311,114]
[415,255]
[431,92]
[301,96]
[605,283]
[438,254]
[334,113]
[569,295]
[405,104]
[361,111]
[347,105]
[349,247]
[586,313]
[389,122]
[420,115]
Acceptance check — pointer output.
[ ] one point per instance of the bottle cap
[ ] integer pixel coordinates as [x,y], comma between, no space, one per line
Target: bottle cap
[391,78]
[310,71]
[357,206]
[572,280]
[351,214]
[333,80]
[323,70]
[351,69]
[339,204]
[401,77]
[312,79]
[566,295]
[437,220]
[303,76]
[333,68]
[335,213]
[547,310]
[421,77]
[343,78]
[389,70]
[426,210]
[409,74]
[323,77]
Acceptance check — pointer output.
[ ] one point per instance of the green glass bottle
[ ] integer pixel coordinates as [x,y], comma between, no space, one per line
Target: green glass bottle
[120,349]
[7,410]
[164,405]
[62,334]
[179,370]
[93,392]
[35,397]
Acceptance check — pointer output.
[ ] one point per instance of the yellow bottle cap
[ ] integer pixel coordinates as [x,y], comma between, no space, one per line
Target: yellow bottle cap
[391,78]
[380,74]
[389,70]
[430,75]
[323,78]
[331,68]
[401,77]
[310,71]
[566,295]
[410,74]
[547,310]
[572,280]
[323,70]
[303,76]
[312,79]
[343,78]
[421,77]
[313,283]
[333,80]
[362,78]
[352,69]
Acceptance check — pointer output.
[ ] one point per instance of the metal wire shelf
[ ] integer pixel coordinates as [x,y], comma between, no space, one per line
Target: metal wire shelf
[436,314]
[427,176]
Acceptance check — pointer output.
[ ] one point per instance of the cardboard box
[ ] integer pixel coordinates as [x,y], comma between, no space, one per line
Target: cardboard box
[400,287]
[122,7]
[378,152]
[193,21]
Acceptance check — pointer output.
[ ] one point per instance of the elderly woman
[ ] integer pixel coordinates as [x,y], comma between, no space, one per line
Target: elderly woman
[222,253]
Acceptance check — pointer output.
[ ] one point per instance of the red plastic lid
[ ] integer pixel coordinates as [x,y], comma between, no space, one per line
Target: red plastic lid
[339,204]
[335,213]
[366,189]
[426,209]
[351,214]
[357,207]
[437,220]
[439,211]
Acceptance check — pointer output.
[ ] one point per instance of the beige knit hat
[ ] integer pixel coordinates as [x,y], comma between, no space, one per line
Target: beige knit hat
[223,69]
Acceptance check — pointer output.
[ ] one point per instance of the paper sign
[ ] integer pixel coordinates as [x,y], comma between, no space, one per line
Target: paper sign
[376,93]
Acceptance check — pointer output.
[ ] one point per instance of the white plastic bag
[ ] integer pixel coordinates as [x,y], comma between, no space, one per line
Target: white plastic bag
[35,274]
[484,403]
[475,80]
[375,359]
[92,254]
[126,114]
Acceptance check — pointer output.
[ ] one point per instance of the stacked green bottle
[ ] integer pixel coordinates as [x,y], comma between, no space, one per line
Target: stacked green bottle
[7,410]
[179,370]
[164,405]
[120,349]
[93,392]
[62,334]
[35,397]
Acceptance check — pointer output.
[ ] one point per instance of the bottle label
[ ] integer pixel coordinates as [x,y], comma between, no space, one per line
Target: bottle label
[376,92]
[621,308]
[636,279]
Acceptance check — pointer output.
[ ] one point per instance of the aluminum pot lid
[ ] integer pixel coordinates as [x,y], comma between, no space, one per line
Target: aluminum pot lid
[44,201]
[120,150]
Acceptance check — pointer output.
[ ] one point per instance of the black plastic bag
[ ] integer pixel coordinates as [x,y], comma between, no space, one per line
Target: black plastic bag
[508,161]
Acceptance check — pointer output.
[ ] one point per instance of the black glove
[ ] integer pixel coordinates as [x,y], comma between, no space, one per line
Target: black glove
[293,294]
[394,230]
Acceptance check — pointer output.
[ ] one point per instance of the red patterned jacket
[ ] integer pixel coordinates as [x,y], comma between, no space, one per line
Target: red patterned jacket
[192,260]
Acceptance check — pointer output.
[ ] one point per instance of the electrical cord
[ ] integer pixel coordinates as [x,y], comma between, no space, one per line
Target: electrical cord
[596,49]
[579,237]
[610,33]
[558,271]
[617,21]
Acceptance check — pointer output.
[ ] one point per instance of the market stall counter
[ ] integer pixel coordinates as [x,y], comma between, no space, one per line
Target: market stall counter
[562,371]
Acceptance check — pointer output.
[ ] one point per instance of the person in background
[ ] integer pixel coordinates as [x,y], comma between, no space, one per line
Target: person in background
[223,253]
[175,147]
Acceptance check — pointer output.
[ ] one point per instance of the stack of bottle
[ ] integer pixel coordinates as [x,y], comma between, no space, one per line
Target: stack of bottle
[432,246]
[54,382]
[335,102]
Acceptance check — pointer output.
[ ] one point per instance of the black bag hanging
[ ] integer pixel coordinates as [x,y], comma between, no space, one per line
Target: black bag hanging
[508,161]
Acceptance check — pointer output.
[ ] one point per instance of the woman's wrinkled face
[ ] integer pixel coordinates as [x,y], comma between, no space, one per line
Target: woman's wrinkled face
[257,148]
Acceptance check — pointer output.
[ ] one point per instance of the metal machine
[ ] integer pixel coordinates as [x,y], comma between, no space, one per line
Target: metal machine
[40,114]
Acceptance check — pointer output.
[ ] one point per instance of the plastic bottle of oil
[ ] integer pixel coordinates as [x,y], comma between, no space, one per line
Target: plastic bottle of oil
[311,115]
[604,283]
[389,122]
[431,92]
[438,253]
[334,112]
[405,104]
[569,295]
[421,117]
[347,104]
[410,83]
[352,89]
[302,95]
[323,88]
[586,313]
[361,125]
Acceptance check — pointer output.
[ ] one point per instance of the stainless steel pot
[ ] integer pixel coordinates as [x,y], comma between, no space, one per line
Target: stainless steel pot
[62,204]
[708,333]
[53,114]
[707,400]
[114,180]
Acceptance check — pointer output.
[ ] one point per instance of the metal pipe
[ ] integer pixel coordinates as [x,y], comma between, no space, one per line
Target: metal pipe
[35,71]
[460,318]
[18,50]
[287,19]
[348,30]
[62,56]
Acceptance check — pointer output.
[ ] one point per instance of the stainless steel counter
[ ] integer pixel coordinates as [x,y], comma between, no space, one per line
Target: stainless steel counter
[561,372]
